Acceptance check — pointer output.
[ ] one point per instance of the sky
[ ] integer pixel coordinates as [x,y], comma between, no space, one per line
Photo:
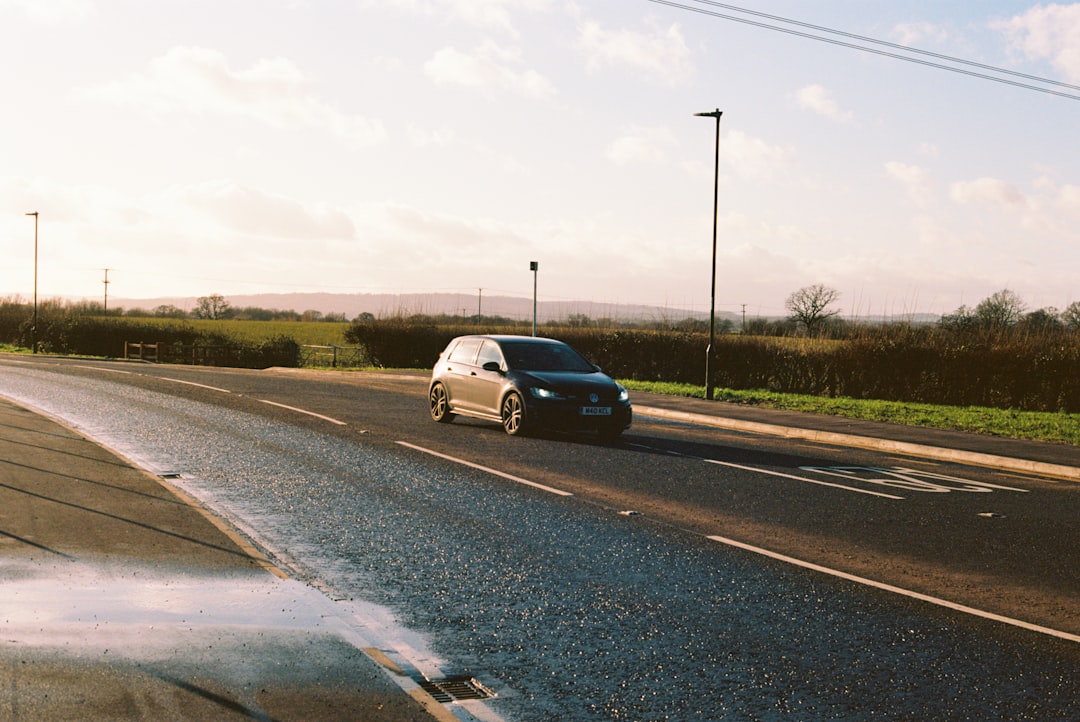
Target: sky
[196,147]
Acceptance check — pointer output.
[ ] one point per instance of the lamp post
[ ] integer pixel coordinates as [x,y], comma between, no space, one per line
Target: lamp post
[33,325]
[716,210]
[534,266]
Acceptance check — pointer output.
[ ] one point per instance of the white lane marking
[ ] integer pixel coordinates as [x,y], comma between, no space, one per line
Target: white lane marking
[901,591]
[803,478]
[101,368]
[910,479]
[304,411]
[496,472]
[662,451]
[192,383]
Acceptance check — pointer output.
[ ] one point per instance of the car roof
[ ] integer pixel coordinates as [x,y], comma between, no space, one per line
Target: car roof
[510,337]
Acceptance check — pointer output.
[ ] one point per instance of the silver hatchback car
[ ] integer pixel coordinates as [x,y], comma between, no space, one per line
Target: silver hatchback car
[526,383]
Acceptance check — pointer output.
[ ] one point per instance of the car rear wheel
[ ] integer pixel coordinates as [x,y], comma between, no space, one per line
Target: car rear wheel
[513,414]
[440,404]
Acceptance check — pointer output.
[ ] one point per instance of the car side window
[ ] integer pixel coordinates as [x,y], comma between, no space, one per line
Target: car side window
[489,351]
[465,351]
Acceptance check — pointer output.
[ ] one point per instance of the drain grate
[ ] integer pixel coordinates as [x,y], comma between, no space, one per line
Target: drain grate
[452,689]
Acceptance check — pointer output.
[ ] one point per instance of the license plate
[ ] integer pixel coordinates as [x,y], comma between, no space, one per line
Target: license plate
[596,411]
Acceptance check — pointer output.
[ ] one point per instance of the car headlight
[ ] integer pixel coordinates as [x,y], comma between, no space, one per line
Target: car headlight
[540,392]
[624,395]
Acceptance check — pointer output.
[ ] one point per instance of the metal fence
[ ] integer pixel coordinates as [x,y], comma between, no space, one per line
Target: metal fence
[180,353]
[333,356]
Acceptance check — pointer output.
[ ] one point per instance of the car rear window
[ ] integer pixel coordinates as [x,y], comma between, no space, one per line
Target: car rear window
[530,356]
[465,351]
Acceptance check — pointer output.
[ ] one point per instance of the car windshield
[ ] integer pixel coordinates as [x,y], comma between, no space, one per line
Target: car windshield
[531,356]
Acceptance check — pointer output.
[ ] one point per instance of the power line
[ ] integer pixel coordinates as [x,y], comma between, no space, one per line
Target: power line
[876,51]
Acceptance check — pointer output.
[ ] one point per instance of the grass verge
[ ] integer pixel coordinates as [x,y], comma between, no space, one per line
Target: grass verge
[1060,428]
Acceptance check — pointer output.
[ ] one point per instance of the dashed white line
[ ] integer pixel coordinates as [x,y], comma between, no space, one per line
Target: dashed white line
[489,470]
[900,590]
[803,478]
[101,368]
[305,411]
[192,383]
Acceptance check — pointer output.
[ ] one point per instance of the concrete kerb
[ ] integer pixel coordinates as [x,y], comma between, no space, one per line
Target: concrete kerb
[866,442]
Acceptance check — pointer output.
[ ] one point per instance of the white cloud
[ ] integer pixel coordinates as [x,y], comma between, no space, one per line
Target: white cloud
[640,145]
[493,13]
[1070,198]
[52,12]
[929,150]
[916,33]
[254,212]
[489,67]
[752,156]
[1050,32]
[914,179]
[988,190]
[272,91]
[487,14]
[661,55]
[818,99]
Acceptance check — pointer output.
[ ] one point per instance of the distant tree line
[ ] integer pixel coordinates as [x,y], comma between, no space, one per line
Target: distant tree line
[997,353]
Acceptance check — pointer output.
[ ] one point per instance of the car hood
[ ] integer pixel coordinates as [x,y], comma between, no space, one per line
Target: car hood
[572,384]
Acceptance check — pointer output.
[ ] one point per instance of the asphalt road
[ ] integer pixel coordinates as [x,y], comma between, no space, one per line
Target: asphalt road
[624,580]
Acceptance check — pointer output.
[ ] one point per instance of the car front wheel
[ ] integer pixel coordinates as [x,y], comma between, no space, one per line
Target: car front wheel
[440,404]
[513,414]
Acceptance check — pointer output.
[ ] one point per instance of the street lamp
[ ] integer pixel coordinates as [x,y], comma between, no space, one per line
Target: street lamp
[33,326]
[534,266]
[716,210]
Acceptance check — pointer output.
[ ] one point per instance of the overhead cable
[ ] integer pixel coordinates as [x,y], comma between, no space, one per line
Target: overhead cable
[877,51]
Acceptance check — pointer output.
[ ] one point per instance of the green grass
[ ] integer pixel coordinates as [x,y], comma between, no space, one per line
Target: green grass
[1039,426]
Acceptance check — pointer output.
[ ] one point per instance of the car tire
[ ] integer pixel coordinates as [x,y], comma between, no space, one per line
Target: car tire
[439,404]
[513,414]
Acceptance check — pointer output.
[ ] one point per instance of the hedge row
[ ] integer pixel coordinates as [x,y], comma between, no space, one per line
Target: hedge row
[895,363]
[94,336]
[902,363]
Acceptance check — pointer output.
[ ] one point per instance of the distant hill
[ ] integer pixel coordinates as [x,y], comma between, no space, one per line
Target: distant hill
[384,305]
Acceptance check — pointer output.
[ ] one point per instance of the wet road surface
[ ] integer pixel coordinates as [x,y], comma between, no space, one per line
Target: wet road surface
[567,608]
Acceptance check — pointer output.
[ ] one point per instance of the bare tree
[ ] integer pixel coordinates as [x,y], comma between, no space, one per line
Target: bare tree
[1071,315]
[213,307]
[999,310]
[809,306]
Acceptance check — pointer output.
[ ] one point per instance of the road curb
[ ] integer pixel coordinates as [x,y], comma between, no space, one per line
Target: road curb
[925,451]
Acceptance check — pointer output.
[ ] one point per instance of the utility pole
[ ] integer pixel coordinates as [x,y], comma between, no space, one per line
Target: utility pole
[479,306]
[106,291]
[33,326]
[742,329]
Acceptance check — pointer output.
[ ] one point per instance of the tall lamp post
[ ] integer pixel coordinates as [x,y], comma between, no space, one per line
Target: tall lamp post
[534,266]
[33,326]
[716,210]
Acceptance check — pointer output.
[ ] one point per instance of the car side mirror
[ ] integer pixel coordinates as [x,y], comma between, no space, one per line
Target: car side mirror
[492,366]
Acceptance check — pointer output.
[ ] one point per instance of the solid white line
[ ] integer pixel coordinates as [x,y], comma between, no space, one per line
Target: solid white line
[304,411]
[511,477]
[801,478]
[192,383]
[899,590]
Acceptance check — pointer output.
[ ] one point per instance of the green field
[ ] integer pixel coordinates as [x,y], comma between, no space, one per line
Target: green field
[311,333]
